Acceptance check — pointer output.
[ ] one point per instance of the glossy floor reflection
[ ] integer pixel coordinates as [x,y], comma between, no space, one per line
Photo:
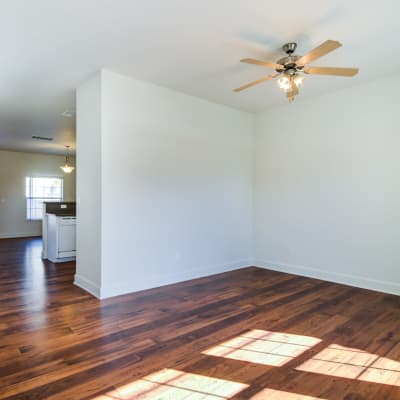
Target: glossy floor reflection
[35,282]
[264,347]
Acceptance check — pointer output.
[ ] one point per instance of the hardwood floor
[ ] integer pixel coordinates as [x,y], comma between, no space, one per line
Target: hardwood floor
[248,334]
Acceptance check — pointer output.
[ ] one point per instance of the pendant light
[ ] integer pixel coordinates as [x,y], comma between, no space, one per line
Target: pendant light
[67,167]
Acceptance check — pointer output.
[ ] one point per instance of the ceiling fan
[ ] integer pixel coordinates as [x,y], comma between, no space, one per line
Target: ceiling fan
[290,69]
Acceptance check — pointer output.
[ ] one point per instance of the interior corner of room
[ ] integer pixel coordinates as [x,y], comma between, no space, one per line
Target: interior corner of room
[307,189]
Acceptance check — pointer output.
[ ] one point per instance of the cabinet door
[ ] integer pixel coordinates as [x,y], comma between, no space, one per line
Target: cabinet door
[66,239]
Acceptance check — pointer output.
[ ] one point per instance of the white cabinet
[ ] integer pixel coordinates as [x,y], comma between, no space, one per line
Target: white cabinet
[61,238]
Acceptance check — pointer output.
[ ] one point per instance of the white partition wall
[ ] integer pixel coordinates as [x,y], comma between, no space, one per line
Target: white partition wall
[175,186]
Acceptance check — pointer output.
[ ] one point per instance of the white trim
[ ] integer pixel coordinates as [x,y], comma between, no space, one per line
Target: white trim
[157,280]
[19,235]
[87,285]
[338,277]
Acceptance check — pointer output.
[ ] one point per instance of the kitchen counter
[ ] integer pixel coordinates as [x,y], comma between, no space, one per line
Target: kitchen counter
[58,209]
[61,238]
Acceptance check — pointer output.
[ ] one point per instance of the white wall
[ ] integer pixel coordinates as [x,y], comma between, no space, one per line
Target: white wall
[14,168]
[88,230]
[176,185]
[327,186]
[171,187]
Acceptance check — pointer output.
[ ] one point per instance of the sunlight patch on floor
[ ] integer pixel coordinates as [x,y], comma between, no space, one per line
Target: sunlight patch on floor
[170,384]
[267,348]
[339,361]
[352,363]
[271,394]
[383,370]
[263,347]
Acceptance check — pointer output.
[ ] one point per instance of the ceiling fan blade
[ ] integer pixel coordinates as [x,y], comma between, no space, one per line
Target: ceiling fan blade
[266,78]
[331,71]
[262,63]
[318,52]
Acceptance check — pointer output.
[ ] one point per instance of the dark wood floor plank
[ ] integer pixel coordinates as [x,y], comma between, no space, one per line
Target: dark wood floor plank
[59,342]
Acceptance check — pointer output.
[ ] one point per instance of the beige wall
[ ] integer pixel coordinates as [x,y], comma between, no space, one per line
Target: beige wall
[14,167]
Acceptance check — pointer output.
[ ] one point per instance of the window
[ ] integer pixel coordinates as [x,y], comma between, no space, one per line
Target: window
[38,190]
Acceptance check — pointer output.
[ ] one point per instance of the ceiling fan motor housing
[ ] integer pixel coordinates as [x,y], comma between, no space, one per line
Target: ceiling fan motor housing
[289,62]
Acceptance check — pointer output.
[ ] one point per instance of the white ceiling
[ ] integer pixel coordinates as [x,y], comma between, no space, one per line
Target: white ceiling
[49,47]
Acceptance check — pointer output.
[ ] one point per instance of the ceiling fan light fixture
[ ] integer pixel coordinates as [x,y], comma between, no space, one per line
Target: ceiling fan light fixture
[298,80]
[290,84]
[284,83]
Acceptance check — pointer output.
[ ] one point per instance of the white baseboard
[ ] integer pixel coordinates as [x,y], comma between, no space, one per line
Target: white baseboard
[19,235]
[156,280]
[87,285]
[338,277]
[124,287]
